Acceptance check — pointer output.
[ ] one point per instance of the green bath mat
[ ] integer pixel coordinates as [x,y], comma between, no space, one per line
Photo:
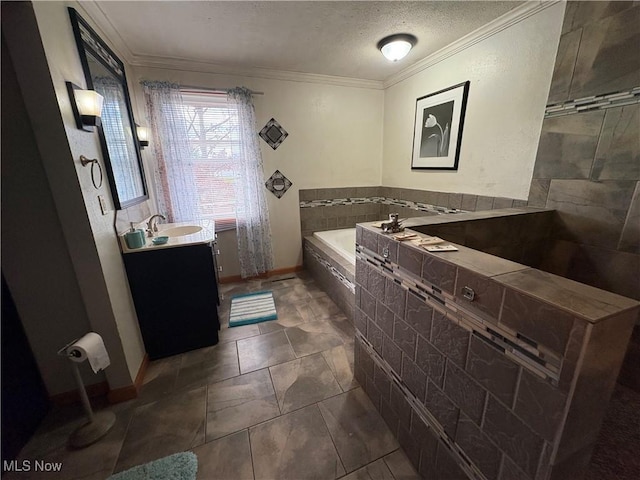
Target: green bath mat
[252,308]
[180,466]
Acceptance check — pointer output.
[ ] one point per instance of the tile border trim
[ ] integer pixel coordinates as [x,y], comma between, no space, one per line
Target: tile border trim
[422,412]
[594,102]
[513,345]
[332,270]
[423,207]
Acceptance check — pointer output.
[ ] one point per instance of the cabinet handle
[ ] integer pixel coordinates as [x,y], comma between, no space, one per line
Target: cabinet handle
[468,293]
[220,268]
[217,251]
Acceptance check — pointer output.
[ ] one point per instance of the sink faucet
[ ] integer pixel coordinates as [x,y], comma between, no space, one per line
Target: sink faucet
[152,225]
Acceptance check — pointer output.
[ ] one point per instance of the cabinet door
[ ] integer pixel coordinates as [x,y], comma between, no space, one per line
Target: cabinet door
[175,294]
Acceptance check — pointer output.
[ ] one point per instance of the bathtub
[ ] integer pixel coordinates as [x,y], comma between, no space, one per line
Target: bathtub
[343,241]
[330,258]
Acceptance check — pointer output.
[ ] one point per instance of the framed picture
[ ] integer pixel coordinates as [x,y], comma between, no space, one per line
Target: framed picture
[438,128]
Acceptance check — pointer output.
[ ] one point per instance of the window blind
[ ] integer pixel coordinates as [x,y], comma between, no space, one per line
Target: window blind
[214,145]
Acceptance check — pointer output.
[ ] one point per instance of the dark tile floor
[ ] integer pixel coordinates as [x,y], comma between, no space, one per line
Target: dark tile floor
[275,400]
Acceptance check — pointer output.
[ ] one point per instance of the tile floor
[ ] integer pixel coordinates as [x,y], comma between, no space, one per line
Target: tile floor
[275,400]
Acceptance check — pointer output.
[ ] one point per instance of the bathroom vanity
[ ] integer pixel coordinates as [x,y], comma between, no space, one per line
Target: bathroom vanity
[175,290]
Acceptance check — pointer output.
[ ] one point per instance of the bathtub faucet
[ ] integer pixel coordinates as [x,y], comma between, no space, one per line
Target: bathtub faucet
[393,225]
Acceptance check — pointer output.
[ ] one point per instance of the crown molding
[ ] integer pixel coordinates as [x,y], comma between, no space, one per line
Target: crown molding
[501,23]
[518,14]
[95,14]
[256,72]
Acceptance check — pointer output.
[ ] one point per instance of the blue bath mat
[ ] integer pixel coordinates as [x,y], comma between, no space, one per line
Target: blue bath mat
[252,308]
[180,466]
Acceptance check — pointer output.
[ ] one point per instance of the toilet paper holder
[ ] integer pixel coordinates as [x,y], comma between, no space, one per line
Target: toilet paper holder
[98,424]
[63,352]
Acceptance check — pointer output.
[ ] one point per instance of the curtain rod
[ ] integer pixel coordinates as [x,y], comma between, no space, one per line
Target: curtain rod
[213,90]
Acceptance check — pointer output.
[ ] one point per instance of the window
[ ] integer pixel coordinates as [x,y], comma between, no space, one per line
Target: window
[214,143]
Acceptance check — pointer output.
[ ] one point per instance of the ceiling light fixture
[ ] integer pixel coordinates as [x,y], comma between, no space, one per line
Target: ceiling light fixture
[396,47]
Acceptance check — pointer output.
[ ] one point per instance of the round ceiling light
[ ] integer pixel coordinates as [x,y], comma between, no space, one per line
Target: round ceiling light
[396,47]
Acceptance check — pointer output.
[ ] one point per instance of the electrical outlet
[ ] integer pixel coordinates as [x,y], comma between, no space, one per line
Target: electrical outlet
[103,204]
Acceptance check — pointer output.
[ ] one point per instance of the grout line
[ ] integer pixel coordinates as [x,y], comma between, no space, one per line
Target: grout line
[124,437]
[335,447]
[253,466]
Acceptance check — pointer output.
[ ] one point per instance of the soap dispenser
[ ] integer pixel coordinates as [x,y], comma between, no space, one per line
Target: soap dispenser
[134,238]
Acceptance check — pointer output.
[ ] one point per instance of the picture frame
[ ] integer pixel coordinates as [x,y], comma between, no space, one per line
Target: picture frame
[437,136]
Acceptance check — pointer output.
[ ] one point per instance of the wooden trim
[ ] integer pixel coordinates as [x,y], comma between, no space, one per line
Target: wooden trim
[270,273]
[131,391]
[101,389]
[73,396]
[142,371]
[122,394]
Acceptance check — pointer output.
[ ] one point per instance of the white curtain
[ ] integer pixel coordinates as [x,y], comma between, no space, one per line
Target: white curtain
[175,180]
[253,228]
[173,170]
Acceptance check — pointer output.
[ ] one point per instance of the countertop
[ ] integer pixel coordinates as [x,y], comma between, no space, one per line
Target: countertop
[206,235]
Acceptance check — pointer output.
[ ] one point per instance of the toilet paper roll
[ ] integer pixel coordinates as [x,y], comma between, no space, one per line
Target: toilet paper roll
[90,347]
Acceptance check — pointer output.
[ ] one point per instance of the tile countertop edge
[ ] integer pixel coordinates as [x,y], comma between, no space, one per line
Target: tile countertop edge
[468,258]
[591,304]
[206,235]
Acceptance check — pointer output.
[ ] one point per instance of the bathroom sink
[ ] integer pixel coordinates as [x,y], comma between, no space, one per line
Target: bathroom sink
[180,231]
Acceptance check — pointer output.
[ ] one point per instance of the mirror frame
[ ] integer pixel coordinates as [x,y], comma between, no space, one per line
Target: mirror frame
[84,34]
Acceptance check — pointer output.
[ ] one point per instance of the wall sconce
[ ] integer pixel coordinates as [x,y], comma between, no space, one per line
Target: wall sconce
[86,106]
[396,47]
[143,136]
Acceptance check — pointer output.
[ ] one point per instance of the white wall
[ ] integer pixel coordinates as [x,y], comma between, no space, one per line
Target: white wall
[89,236]
[510,74]
[35,261]
[64,63]
[335,140]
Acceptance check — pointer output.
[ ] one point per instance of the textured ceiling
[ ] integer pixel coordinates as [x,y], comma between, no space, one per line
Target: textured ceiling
[330,38]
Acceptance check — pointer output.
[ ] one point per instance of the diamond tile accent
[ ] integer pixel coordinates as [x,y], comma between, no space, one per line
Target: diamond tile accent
[273,133]
[278,184]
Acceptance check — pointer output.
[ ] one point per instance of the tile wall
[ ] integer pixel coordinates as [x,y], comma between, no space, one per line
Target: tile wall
[522,238]
[588,163]
[334,273]
[335,208]
[498,387]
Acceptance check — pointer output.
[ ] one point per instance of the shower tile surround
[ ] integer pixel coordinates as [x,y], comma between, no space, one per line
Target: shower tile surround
[513,384]
[587,166]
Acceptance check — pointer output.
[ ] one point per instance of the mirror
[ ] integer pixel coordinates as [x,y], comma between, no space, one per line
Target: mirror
[104,73]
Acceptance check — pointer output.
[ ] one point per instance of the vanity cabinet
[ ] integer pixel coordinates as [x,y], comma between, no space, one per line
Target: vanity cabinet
[175,292]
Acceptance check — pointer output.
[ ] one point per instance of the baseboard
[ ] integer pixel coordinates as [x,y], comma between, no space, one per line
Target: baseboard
[270,273]
[69,398]
[122,394]
[101,389]
[130,392]
[142,371]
